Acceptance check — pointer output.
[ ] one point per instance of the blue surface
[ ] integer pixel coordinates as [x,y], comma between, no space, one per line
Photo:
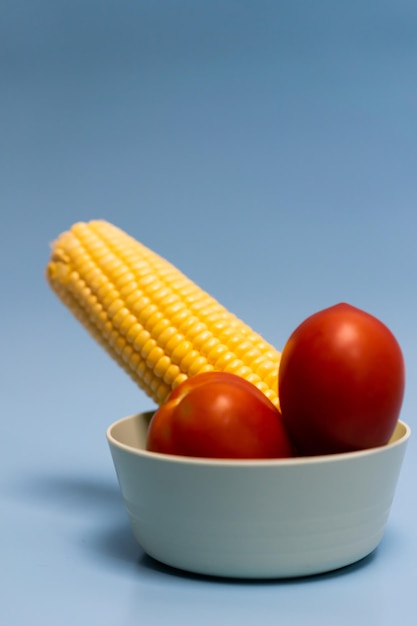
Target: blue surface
[267,149]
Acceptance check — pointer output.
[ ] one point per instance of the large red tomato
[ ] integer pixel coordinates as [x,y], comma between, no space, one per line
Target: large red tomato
[218,415]
[341,382]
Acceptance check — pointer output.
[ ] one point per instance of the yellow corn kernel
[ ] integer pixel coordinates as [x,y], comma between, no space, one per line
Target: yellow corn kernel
[154,321]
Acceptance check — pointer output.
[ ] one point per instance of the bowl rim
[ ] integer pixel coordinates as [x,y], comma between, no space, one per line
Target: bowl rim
[286,462]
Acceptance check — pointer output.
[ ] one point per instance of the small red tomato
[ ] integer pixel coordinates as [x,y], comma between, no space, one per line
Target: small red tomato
[218,415]
[341,382]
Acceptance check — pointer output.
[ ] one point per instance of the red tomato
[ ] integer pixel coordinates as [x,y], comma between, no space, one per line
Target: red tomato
[218,415]
[341,382]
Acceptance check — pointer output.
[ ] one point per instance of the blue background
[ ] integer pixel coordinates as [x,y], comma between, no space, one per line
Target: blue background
[269,150]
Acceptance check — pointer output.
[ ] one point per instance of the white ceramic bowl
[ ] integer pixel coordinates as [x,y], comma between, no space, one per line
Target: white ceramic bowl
[255,519]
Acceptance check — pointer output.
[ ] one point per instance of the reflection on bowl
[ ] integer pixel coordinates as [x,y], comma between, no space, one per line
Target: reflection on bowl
[255,519]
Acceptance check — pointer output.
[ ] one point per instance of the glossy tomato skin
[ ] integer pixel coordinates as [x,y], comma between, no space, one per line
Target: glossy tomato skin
[341,382]
[218,415]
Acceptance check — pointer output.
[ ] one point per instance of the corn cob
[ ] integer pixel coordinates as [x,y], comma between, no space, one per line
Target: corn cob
[154,321]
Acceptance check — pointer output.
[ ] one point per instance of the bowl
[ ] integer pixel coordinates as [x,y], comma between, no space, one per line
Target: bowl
[256,518]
